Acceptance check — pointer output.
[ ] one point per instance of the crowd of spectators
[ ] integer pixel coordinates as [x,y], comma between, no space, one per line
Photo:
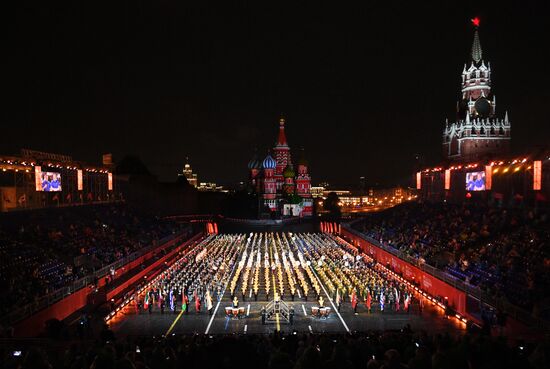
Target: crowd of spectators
[503,251]
[372,350]
[44,250]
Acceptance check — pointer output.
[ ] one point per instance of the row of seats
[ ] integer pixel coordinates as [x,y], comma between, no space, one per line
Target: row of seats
[44,250]
[499,250]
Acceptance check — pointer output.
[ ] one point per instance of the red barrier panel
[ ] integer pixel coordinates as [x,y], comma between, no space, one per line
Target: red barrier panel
[432,285]
[60,310]
[33,325]
[117,290]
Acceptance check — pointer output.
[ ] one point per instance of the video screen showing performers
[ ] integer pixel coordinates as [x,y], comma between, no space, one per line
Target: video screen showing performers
[50,181]
[475,181]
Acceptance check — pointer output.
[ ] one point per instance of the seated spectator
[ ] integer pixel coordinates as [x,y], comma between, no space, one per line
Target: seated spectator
[503,251]
[44,250]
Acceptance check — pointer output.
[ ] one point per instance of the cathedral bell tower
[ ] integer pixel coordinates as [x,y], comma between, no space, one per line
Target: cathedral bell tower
[303,186]
[281,152]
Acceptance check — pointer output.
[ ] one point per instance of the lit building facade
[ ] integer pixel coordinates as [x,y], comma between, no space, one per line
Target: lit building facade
[283,188]
[317,191]
[210,187]
[477,133]
[385,197]
[189,175]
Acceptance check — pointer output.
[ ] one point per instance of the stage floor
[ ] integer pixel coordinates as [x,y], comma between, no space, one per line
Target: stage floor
[131,323]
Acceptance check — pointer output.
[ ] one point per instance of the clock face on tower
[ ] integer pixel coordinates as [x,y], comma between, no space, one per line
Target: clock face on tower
[483,107]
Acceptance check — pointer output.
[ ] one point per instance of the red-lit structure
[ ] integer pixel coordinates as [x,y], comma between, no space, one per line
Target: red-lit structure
[477,145]
[71,303]
[509,181]
[477,133]
[427,283]
[283,190]
[21,185]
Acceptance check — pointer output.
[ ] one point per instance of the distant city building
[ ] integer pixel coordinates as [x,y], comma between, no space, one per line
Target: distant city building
[189,175]
[317,191]
[210,187]
[362,184]
[477,132]
[108,160]
[347,198]
[354,200]
[283,189]
[386,197]
[337,192]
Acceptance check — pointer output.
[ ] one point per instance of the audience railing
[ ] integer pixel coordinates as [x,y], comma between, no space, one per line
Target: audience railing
[483,296]
[44,301]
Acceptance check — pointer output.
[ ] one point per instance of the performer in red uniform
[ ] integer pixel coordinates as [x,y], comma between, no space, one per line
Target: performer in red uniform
[197,304]
[354,302]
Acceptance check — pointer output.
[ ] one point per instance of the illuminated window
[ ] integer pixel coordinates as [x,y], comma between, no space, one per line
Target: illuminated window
[537,175]
[79,181]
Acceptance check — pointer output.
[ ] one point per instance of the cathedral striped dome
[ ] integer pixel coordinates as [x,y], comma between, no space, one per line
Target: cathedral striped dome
[269,162]
[254,163]
[289,172]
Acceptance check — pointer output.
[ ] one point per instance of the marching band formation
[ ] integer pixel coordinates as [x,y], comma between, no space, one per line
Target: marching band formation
[348,274]
[197,277]
[260,266]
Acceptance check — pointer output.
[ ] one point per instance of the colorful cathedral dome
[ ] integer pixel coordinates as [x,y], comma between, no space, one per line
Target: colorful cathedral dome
[289,172]
[254,163]
[280,181]
[269,162]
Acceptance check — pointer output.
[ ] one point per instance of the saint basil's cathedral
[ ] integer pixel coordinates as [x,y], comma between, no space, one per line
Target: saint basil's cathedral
[284,190]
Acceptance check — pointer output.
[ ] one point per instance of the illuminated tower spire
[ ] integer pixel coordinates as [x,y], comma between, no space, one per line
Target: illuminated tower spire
[188,173]
[303,186]
[281,153]
[476,45]
[477,133]
[476,48]
[281,141]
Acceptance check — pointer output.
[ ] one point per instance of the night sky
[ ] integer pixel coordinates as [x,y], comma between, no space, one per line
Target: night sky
[363,89]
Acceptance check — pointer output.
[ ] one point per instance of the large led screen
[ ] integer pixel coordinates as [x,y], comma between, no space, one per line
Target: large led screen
[50,181]
[475,181]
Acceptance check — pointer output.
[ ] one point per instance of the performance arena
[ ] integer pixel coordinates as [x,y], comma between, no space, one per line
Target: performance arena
[101,274]
[261,283]
[151,292]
